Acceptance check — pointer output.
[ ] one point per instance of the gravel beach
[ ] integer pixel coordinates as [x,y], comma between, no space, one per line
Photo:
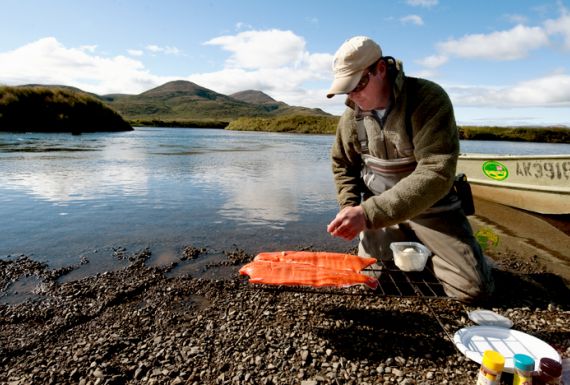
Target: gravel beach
[142,325]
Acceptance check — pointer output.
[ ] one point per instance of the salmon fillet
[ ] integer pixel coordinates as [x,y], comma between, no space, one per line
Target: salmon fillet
[303,274]
[335,261]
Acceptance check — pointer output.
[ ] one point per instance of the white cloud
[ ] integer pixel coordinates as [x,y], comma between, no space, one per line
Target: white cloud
[88,48]
[425,73]
[513,44]
[433,61]
[135,52]
[560,26]
[261,49]
[47,61]
[275,62]
[422,3]
[549,91]
[165,50]
[241,26]
[516,19]
[412,19]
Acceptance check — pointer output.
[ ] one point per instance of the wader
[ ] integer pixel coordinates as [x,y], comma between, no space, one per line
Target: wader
[457,258]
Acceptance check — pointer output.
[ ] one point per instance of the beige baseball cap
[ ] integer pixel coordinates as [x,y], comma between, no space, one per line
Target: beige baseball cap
[352,58]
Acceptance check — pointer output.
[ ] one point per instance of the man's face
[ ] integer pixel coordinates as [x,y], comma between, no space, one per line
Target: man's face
[373,90]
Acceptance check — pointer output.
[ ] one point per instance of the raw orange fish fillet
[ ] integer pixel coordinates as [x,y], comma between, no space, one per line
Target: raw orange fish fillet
[316,269]
[336,261]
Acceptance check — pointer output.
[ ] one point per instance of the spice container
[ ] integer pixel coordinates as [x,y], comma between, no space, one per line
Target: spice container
[549,372]
[523,368]
[491,368]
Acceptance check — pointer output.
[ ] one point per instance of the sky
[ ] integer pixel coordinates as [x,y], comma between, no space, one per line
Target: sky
[502,62]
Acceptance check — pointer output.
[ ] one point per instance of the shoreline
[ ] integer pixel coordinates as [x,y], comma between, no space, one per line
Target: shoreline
[138,325]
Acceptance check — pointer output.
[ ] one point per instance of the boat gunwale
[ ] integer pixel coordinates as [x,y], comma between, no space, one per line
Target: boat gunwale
[469,156]
[519,186]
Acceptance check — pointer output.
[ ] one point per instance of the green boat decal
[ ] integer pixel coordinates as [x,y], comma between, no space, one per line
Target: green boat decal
[495,170]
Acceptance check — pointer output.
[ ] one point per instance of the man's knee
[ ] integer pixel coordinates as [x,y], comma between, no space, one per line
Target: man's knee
[467,290]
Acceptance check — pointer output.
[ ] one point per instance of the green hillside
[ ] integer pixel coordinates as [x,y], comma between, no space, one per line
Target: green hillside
[517,134]
[56,109]
[274,107]
[294,123]
[254,97]
[186,101]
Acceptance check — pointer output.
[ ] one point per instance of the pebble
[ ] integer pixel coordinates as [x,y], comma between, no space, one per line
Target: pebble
[137,326]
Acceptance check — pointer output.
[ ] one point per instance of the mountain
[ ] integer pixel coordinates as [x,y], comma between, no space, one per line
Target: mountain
[184,100]
[254,97]
[273,106]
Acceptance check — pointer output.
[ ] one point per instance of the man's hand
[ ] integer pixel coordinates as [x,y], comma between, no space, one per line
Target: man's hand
[348,223]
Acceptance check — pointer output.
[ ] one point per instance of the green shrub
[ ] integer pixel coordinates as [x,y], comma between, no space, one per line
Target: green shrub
[517,134]
[55,109]
[291,123]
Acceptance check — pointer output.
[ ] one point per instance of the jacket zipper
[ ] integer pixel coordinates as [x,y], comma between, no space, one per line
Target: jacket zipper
[382,136]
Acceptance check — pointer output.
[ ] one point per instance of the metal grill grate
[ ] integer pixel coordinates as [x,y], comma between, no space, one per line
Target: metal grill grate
[396,283]
[392,283]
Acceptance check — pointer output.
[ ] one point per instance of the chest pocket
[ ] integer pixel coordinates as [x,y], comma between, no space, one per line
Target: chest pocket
[390,141]
[387,155]
[380,175]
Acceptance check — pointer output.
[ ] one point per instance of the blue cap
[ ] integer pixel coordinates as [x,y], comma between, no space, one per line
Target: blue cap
[523,362]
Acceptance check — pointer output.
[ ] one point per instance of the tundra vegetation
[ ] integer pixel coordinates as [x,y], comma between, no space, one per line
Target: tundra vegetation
[518,134]
[299,124]
[56,109]
[185,104]
[327,125]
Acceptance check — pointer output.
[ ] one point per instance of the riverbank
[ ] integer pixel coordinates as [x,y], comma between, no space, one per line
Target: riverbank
[37,108]
[310,124]
[147,325]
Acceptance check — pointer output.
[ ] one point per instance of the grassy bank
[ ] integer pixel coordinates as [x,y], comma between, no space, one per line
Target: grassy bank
[55,109]
[293,123]
[327,125]
[518,134]
[194,123]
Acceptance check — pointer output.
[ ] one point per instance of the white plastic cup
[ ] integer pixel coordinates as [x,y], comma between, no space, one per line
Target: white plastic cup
[410,256]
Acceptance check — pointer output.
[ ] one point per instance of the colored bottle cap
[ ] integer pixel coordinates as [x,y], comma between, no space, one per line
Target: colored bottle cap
[550,367]
[523,362]
[493,360]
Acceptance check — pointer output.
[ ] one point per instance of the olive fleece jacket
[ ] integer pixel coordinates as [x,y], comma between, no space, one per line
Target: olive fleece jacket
[419,107]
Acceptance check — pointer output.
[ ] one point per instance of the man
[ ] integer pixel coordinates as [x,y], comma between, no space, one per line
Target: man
[394,162]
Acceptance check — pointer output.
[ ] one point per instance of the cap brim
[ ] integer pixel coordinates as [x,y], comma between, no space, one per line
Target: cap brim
[344,85]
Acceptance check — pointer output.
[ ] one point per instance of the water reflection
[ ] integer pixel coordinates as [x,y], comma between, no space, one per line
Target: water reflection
[64,168]
[68,196]
[56,185]
[171,187]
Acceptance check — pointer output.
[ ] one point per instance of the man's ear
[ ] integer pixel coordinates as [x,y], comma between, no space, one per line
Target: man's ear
[382,68]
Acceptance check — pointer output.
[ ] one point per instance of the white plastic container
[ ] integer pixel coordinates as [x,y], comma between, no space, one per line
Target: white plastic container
[410,256]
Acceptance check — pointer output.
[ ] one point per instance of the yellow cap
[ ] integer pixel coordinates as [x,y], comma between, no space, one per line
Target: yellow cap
[493,360]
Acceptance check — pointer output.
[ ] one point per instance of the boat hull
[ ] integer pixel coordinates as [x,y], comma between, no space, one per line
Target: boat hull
[535,183]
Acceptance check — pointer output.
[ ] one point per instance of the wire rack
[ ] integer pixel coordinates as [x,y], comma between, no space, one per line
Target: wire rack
[397,283]
[393,282]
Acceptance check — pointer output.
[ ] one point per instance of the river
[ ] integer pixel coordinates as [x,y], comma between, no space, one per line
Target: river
[97,196]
